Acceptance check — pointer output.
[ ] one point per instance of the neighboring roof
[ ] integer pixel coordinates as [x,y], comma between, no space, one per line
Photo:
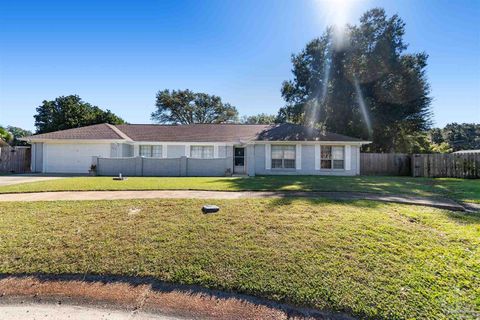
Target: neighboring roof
[101,131]
[3,143]
[196,133]
[468,151]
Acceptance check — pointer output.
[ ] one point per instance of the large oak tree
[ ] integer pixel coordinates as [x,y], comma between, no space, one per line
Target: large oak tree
[188,107]
[68,112]
[365,86]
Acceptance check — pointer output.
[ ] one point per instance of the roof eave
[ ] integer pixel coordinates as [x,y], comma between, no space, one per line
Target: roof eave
[30,140]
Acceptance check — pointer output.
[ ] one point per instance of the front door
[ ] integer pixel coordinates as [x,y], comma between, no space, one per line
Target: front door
[239,160]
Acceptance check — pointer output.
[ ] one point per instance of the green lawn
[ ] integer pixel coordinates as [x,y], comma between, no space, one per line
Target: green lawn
[370,259]
[460,189]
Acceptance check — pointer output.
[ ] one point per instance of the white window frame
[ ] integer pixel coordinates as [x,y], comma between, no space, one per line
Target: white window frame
[283,146]
[332,157]
[203,153]
[151,153]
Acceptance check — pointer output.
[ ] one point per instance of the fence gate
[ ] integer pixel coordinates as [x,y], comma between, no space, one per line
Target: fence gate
[14,159]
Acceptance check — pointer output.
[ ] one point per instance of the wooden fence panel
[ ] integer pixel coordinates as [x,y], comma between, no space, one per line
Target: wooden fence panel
[15,160]
[463,165]
[393,164]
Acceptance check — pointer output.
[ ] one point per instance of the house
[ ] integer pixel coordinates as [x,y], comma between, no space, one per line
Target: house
[196,150]
[467,151]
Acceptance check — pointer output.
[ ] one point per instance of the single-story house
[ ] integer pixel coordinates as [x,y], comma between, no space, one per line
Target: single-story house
[196,150]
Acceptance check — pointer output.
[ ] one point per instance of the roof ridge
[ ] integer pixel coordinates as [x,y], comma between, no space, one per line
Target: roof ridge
[196,124]
[119,132]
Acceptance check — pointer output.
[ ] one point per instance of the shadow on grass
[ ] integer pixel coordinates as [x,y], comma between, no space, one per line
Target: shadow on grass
[320,201]
[459,217]
[163,287]
[381,184]
[464,217]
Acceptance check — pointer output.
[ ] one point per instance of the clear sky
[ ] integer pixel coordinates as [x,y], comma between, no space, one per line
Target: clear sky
[117,54]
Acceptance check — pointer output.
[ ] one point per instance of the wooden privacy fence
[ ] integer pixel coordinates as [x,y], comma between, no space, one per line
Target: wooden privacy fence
[391,164]
[14,159]
[463,165]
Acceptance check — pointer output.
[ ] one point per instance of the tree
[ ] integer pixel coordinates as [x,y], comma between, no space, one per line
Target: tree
[18,133]
[187,107]
[365,87]
[261,118]
[455,137]
[5,135]
[67,112]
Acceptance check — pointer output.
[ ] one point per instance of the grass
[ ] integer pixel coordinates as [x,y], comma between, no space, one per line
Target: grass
[370,259]
[459,189]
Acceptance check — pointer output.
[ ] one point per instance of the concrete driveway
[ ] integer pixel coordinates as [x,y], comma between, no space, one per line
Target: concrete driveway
[6,180]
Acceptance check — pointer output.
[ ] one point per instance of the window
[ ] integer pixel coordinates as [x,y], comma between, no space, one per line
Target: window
[283,157]
[151,151]
[332,157]
[239,159]
[202,152]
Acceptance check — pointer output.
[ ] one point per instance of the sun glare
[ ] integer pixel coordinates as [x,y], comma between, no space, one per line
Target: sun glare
[337,13]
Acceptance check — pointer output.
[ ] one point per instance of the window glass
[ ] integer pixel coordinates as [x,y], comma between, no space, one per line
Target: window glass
[337,153]
[151,151]
[277,152]
[201,152]
[326,164]
[337,164]
[239,161]
[276,163]
[195,152]
[239,152]
[283,157]
[289,152]
[288,163]
[207,152]
[145,151]
[157,151]
[326,152]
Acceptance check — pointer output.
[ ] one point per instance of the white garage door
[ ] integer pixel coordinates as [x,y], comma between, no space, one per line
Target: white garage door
[72,158]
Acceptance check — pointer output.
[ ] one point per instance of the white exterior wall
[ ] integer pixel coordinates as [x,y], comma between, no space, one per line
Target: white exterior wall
[76,157]
[72,157]
[307,160]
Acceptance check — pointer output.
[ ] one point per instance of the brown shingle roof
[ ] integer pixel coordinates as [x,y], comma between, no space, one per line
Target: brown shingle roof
[293,132]
[93,132]
[198,133]
[191,132]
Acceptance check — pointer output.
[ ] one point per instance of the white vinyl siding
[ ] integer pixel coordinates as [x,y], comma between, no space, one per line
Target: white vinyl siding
[151,151]
[283,156]
[317,157]
[298,157]
[348,158]
[202,152]
[268,157]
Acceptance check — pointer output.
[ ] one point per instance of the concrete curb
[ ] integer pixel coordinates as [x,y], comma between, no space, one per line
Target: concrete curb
[147,295]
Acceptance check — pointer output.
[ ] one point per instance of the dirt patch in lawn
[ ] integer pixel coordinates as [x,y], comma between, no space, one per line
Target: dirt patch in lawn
[148,295]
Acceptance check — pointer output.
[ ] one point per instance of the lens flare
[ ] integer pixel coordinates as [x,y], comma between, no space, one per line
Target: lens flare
[363,107]
[337,13]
